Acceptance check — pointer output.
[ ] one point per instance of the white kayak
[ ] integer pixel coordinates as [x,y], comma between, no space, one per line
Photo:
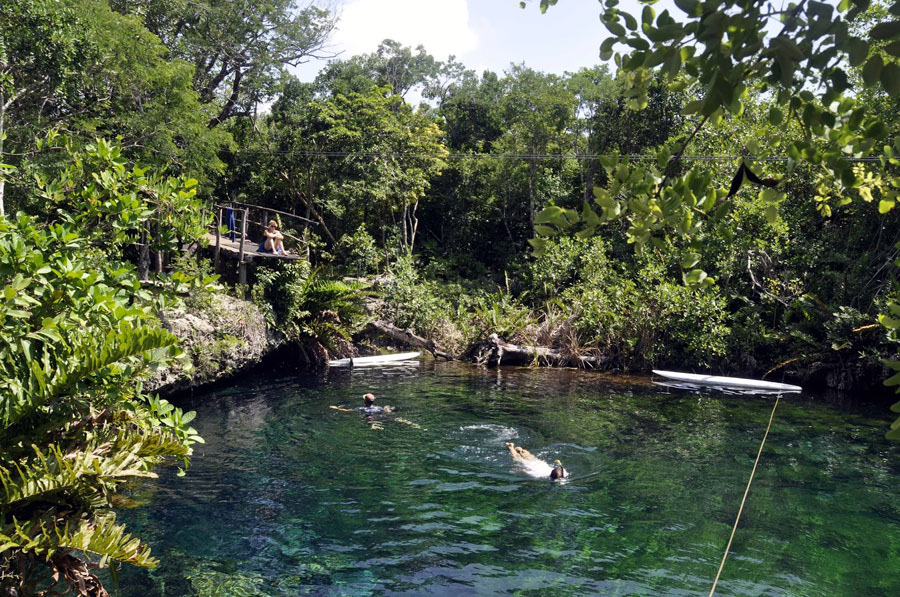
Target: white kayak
[728,382]
[378,359]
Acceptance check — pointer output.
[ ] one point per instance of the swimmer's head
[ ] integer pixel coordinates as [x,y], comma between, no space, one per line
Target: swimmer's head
[558,471]
[369,398]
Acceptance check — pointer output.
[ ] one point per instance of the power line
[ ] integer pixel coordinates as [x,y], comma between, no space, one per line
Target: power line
[525,156]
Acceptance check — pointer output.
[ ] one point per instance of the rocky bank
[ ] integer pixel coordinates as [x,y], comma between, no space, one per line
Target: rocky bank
[220,336]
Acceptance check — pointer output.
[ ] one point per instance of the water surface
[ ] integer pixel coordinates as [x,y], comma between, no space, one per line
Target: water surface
[291,497]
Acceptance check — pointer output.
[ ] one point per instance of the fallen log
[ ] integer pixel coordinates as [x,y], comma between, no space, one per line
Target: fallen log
[495,352]
[409,338]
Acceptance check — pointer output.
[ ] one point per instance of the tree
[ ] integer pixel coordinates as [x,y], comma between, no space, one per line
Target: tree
[737,54]
[81,68]
[42,52]
[392,65]
[353,159]
[238,48]
[723,50]
[122,210]
[537,111]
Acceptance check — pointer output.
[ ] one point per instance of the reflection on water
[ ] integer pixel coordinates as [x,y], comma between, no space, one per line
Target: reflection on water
[291,497]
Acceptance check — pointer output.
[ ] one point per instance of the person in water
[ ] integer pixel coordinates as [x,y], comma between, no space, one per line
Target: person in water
[534,465]
[274,242]
[371,411]
[368,407]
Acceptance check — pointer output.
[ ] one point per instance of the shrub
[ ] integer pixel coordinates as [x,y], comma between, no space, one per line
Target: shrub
[296,300]
[357,253]
[75,336]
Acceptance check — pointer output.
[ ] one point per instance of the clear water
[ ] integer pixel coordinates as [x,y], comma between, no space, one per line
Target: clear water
[291,497]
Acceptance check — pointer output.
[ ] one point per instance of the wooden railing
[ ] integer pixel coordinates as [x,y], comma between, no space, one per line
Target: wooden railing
[242,213]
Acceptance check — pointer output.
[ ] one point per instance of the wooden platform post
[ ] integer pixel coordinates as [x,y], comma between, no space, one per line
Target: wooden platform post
[242,267]
[218,240]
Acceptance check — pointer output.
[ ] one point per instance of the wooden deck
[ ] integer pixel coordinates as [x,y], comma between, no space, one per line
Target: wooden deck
[233,249]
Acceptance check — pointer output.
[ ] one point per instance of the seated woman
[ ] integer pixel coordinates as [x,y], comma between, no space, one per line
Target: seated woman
[534,466]
[274,242]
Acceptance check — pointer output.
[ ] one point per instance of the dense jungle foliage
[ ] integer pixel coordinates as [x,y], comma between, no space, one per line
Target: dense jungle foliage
[722,198]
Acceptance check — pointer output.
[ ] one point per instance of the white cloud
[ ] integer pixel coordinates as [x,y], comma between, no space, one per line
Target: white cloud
[442,26]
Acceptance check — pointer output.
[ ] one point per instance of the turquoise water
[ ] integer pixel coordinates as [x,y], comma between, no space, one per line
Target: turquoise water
[291,497]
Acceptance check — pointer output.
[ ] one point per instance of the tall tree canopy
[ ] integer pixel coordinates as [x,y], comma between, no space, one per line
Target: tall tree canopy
[238,48]
[83,70]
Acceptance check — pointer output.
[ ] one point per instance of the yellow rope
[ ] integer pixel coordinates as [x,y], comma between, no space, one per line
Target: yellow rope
[779,366]
[746,491]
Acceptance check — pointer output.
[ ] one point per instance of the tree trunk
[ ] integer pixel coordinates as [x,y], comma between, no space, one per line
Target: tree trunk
[308,202]
[413,225]
[408,337]
[495,352]
[2,133]
[404,246]
[144,257]
[159,254]
[591,167]
[532,171]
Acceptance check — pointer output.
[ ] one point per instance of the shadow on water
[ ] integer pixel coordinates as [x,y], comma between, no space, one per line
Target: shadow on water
[291,497]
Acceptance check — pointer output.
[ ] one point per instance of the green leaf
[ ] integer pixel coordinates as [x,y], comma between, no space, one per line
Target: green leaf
[544,230]
[689,260]
[694,277]
[606,48]
[776,116]
[857,50]
[673,64]
[787,48]
[539,245]
[885,205]
[615,27]
[548,215]
[771,196]
[890,78]
[688,6]
[692,107]
[885,31]
[872,70]
[589,216]
[772,213]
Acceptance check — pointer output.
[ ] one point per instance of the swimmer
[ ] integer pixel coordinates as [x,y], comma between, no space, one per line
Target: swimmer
[369,409]
[534,466]
[558,471]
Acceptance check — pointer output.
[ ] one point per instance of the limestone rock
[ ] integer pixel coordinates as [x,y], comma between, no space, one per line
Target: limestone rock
[220,335]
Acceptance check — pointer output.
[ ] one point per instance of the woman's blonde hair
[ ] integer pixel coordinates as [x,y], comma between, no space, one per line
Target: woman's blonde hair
[273,223]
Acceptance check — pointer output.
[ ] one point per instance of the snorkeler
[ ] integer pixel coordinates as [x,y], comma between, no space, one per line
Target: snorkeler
[558,471]
[533,465]
[369,409]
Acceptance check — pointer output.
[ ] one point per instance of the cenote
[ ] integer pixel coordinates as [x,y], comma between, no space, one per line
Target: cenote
[289,497]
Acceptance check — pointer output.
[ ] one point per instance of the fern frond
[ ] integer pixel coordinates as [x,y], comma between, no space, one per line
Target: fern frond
[99,536]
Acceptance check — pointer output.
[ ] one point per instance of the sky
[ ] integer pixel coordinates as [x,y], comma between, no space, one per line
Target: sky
[482,34]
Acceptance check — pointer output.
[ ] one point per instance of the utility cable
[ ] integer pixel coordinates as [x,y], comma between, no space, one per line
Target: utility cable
[744,500]
[524,156]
